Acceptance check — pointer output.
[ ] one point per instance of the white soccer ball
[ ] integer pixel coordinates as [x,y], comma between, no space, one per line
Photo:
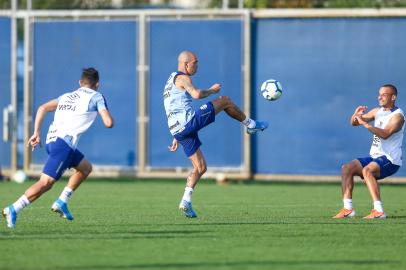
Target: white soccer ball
[271,89]
[19,177]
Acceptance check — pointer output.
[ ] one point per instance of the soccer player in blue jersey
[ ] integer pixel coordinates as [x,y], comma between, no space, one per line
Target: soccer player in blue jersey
[75,112]
[184,121]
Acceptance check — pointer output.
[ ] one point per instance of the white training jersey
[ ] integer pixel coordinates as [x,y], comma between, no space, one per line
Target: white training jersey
[392,146]
[75,113]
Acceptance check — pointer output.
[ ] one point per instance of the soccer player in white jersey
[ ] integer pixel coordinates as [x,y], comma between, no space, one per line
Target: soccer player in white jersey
[184,121]
[385,154]
[75,112]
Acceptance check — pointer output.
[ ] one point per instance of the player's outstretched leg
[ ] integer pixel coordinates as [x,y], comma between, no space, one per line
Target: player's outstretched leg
[31,194]
[224,103]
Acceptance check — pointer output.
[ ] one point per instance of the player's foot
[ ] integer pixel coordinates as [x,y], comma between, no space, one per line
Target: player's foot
[345,213]
[61,208]
[11,216]
[375,214]
[259,126]
[186,208]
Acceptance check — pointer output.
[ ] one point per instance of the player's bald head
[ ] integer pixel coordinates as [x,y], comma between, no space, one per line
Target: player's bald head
[186,57]
[187,63]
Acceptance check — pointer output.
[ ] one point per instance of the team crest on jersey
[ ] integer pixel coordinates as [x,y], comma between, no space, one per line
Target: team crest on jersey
[203,107]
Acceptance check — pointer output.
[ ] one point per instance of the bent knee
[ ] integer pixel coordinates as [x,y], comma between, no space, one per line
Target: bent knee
[46,182]
[347,169]
[351,168]
[201,169]
[366,171]
[87,169]
[225,100]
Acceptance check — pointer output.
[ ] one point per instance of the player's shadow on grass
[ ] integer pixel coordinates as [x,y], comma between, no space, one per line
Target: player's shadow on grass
[396,217]
[23,236]
[359,222]
[213,265]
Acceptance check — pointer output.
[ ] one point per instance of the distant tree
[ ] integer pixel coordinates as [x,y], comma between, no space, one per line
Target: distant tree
[313,3]
[5,4]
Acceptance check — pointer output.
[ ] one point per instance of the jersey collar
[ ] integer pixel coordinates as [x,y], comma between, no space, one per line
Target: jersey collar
[86,88]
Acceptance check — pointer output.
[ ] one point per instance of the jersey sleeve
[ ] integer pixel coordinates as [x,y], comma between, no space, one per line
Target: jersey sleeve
[98,103]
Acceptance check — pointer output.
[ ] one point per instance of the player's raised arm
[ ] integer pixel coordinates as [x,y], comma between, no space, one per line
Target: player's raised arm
[395,124]
[360,112]
[184,82]
[35,139]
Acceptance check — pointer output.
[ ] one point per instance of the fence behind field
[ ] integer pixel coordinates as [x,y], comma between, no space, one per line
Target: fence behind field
[328,63]
[328,67]
[5,86]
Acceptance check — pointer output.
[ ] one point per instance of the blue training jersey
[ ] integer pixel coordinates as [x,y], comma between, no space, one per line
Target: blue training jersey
[178,105]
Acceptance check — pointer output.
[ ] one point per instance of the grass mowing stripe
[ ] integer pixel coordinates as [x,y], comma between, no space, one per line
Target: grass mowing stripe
[136,225]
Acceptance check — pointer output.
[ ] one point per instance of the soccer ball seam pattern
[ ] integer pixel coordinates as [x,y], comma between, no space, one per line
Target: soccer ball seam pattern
[271,89]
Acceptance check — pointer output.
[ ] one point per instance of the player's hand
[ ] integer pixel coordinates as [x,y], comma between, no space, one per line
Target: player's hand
[34,141]
[360,110]
[215,88]
[360,121]
[174,146]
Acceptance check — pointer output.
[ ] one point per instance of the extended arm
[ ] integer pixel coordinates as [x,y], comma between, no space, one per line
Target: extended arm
[106,118]
[394,125]
[359,112]
[50,106]
[184,82]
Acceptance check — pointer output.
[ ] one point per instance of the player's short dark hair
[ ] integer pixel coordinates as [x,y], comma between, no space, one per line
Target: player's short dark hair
[391,86]
[90,76]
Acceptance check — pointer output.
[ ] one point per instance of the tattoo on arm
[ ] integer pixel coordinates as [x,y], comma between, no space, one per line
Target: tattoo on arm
[193,91]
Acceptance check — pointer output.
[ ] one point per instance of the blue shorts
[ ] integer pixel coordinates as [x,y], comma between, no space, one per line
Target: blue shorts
[60,157]
[188,137]
[386,167]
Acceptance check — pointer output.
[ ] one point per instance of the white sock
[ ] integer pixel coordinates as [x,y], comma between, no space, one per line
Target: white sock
[347,204]
[378,206]
[187,196]
[248,122]
[66,194]
[21,203]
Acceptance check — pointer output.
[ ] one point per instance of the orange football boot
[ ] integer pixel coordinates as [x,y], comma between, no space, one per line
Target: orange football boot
[345,213]
[375,214]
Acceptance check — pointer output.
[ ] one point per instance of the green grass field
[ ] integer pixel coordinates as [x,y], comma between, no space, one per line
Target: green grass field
[136,225]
